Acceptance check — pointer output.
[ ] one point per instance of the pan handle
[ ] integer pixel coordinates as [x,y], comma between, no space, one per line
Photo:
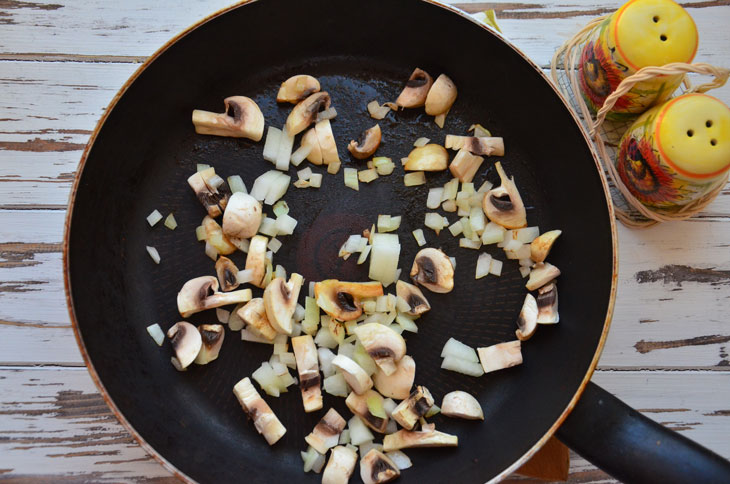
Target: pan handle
[634,448]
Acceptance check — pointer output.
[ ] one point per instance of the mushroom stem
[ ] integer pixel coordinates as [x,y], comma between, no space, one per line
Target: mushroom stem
[412,408]
[404,439]
[258,410]
[326,433]
[305,353]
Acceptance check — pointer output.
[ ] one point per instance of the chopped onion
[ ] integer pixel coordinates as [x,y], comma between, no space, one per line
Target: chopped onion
[335,385]
[462,366]
[434,198]
[414,179]
[311,458]
[155,331]
[421,142]
[281,208]
[271,145]
[480,131]
[281,272]
[245,275]
[325,361]
[235,183]
[247,335]
[383,165]
[285,224]
[316,180]
[262,184]
[286,143]
[384,259]
[300,154]
[476,200]
[277,190]
[200,233]
[153,218]
[156,255]
[364,254]
[241,244]
[400,460]
[522,252]
[457,349]
[366,176]
[493,234]
[377,111]
[344,437]
[329,113]
[274,245]
[486,186]
[222,315]
[201,167]
[311,289]
[453,262]
[527,235]
[268,227]
[484,261]
[304,174]
[324,336]
[495,267]
[420,238]
[449,206]
[456,228]
[440,119]
[526,262]
[470,244]
[215,181]
[525,271]
[434,221]
[477,219]
[450,189]
[359,433]
[170,222]
[301,184]
[386,223]
[351,178]
[368,446]
[406,323]
[334,167]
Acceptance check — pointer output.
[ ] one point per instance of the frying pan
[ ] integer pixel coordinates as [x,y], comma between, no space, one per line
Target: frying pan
[144,148]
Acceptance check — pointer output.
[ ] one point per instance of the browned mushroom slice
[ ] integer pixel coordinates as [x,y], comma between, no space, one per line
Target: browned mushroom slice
[202,293]
[305,353]
[540,247]
[398,384]
[500,356]
[326,433]
[253,314]
[433,270]
[404,439]
[242,119]
[547,304]
[212,336]
[441,96]
[227,273]
[461,405]
[355,376]
[340,466]
[412,408]
[258,410]
[315,153]
[367,144]
[280,300]
[527,320]
[385,346]
[416,90]
[369,407]
[413,296]
[186,342]
[541,274]
[213,198]
[476,145]
[377,468]
[305,113]
[341,300]
[327,144]
[503,205]
[297,88]
[256,259]
[242,217]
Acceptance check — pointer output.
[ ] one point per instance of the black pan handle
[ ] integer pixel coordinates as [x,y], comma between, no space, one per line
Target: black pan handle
[633,448]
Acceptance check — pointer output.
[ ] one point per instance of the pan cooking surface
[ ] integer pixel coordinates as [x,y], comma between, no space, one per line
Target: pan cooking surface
[147,148]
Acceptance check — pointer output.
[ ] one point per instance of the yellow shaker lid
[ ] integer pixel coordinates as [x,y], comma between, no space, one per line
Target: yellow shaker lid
[653,33]
[693,135]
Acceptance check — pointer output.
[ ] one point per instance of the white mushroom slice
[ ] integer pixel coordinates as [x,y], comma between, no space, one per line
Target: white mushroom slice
[305,353]
[385,346]
[354,375]
[461,405]
[241,119]
[212,338]
[414,407]
[413,296]
[431,157]
[326,139]
[377,468]
[280,300]
[547,304]
[340,466]
[256,259]
[416,90]
[326,433]
[258,410]
[441,96]
[305,113]
[541,274]
[297,88]
[433,270]
[201,293]
[503,205]
[486,146]
[398,384]
[500,356]
[369,407]
[253,314]
[227,274]
[404,439]
[527,320]
[186,342]
[540,247]
[465,165]
[366,145]
[242,217]
[214,199]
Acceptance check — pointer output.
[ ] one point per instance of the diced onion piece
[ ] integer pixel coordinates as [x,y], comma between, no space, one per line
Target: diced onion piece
[344,437]
[480,131]
[222,315]
[366,176]
[386,223]
[522,252]
[468,188]
[495,267]
[281,208]
[450,190]
[493,234]
[278,188]
[477,219]
[434,221]
[484,262]
[406,323]
[383,165]
[153,218]
[325,361]
[433,201]
[384,258]
[235,183]
[462,366]
[156,255]
[155,331]
[267,379]
[486,186]
[274,245]
[400,460]
[351,178]
[315,181]
[421,142]
[453,262]
[310,293]
[457,349]
[301,184]
[285,224]
[170,222]
[527,235]
[262,184]
[456,228]
[271,145]
[420,238]
[200,233]
[281,272]
[309,457]
[449,206]
[304,174]
[359,433]
[440,119]
[300,154]
[215,181]
[201,167]
[526,262]
[268,227]
[324,336]
[334,167]
[414,179]
[286,143]
[376,110]
[329,113]
[470,244]
[335,385]
[368,446]
[245,275]
[525,271]
[364,254]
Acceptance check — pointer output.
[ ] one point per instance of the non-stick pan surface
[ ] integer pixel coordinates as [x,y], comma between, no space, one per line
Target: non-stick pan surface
[146,147]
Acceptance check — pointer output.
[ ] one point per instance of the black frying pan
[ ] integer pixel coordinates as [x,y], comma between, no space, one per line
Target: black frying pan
[145,148]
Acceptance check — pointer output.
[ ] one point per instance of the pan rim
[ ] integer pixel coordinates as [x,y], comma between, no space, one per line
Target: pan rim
[172,41]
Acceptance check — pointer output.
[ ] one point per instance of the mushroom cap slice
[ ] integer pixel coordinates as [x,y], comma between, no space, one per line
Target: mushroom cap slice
[214,199]
[192,296]
[327,144]
[541,274]
[366,406]
[241,119]
[242,217]
[541,245]
[280,300]
[297,88]
[527,320]
[462,405]
[377,468]
[186,342]
[476,145]
[547,304]
[215,237]
[340,466]
[258,410]
[399,383]
[430,157]
[326,433]
[418,403]
[503,205]
[433,270]
[341,300]
[500,356]
[385,346]
[355,376]
[441,96]
[305,112]
[416,90]
[212,336]
[227,273]
[305,353]
[367,144]
[413,296]
[256,259]
[310,139]
[404,439]
[254,315]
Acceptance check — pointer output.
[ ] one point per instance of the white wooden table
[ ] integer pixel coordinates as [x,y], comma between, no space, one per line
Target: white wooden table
[61,61]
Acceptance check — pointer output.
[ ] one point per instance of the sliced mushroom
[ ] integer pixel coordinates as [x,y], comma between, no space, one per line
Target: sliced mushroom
[341,300]
[377,468]
[355,376]
[527,320]
[326,433]
[212,336]
[547,304]
[258,410]
[540,247]
[340,466]
[253,314]
[433,270]
[500,356]
[256,259]
[214,236]
[367,144]
[465,165]
[297,88]
[214,199]
[431,157]
[541,274]
[186,342]
[385,346]
[305,113]
[310,139]
[305,353]
[242,217]
[404,439]
[413,296]
[461,405]
[202,293]
[503,205]
[369,407]
[399,383]
[441,96]
[416,90]
[327,144]
[227,274]
[280,300]
[241,119]
[412,408]
[476,145]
